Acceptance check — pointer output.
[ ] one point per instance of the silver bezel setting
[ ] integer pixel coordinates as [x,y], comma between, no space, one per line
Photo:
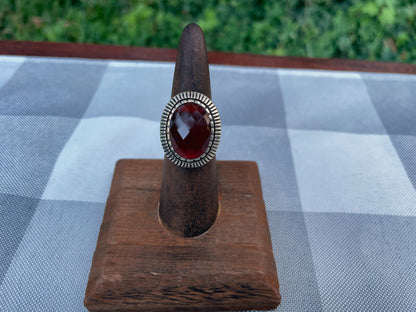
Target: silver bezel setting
[214,120]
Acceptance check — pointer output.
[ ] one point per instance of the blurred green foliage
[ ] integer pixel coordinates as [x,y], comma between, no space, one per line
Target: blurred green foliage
[356,29]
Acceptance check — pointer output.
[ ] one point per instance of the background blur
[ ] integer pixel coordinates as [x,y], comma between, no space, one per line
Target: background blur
[369,29]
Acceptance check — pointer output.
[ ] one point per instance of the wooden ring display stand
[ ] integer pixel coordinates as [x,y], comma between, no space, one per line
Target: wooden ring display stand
[176,239]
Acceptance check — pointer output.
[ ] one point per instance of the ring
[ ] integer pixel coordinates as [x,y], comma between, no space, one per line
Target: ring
[190,129]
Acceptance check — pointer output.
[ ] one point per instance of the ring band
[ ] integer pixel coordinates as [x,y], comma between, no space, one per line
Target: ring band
[190,129]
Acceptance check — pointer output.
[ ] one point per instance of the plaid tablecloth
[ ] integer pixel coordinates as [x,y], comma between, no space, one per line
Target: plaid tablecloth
[336,152]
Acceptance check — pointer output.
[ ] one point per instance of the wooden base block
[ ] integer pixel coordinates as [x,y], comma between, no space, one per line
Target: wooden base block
[139,265]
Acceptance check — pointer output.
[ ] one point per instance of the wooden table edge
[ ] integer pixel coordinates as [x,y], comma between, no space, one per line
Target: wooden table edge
[113,52]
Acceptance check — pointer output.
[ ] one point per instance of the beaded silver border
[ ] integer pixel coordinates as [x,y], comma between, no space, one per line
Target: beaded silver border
[215,123]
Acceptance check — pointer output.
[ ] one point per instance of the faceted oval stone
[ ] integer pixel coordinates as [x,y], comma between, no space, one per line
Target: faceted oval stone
[190,130]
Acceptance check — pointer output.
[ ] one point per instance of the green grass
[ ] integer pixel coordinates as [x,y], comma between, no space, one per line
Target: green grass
[369,29]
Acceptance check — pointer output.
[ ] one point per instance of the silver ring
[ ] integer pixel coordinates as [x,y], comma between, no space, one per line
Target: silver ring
[190,129]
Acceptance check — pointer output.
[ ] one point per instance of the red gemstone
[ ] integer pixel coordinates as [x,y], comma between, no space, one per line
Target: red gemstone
[190,130]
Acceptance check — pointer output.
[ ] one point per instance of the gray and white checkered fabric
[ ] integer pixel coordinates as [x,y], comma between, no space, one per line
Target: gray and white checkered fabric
[336,152]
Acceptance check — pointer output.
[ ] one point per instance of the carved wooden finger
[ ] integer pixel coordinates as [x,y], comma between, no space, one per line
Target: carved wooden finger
[189,196]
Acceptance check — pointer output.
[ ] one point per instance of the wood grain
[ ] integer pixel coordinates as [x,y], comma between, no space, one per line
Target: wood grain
[140,265]
[189,196]
[97,51]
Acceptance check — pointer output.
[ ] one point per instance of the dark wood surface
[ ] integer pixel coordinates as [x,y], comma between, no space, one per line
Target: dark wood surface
[189,196]
[140,265]
[95,51]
